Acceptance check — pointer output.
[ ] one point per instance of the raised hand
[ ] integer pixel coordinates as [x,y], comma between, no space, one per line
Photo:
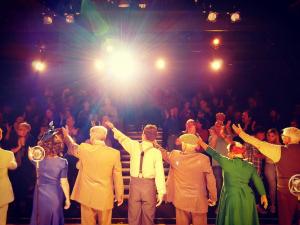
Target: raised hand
[237,129]
[109,124]
[213,133]
[65,131]
[8,127]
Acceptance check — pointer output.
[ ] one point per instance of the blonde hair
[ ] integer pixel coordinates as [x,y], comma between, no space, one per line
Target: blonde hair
[293,133]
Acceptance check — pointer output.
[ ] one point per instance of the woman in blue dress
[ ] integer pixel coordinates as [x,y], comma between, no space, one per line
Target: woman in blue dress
[53,185]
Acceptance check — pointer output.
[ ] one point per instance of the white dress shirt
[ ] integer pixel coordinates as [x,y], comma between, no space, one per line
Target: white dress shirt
[152,162]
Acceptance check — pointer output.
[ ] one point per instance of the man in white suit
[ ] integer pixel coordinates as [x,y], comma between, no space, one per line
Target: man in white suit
[7,161]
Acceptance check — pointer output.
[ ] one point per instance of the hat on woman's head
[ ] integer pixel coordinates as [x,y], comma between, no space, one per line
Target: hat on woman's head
[236,148]
[49,133]
[52,141]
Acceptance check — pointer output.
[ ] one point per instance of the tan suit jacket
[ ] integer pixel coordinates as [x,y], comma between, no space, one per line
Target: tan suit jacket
[6,191]
[190,181]
[99,176]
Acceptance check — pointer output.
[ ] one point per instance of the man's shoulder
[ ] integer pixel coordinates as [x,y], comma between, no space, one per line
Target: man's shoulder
[4,152]
[112,150]
[175,152]
[202,157]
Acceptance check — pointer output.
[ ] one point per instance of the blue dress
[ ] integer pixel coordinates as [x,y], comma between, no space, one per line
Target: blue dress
[48,205]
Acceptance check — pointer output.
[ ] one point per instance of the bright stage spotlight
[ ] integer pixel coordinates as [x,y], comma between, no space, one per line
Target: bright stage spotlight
[212,16]
[235,17]
[39,66]
[216,64]
[99,64]
[216,42]
[123,65]
[123,4]
[160,64]
[109,48]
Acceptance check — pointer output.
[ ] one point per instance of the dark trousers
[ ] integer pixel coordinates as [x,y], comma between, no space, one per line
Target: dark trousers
[142,201]
[287,208]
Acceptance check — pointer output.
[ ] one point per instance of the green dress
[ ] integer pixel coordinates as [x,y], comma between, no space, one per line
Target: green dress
[237,202]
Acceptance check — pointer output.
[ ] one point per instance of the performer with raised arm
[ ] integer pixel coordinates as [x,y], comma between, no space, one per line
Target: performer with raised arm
[7,161]
[147,175]
[191,184]
[99,177]
[286,158]
[237,203]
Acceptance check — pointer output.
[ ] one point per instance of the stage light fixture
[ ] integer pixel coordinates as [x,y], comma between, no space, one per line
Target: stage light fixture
[123,65]
[212,16]
[123,4]
[216,64]
[216,43]
[69,18]
[235,17]
[160,64]
[39,66]
[47,20]
[142,4]
[99,64]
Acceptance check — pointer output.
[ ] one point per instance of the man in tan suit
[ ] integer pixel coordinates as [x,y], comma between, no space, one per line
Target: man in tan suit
[99,177]
[191,184]
[7,161]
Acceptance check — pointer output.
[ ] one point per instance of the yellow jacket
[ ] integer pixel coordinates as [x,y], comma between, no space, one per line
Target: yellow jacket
[99,176]
[7,161]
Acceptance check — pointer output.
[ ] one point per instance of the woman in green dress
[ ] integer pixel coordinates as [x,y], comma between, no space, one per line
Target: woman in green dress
[237,202]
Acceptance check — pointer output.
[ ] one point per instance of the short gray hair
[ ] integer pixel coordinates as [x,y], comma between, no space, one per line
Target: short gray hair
[98,133]
[293,133]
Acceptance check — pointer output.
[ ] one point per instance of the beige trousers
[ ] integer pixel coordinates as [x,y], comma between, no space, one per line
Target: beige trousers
[185,218]
[3,214]
[89,216]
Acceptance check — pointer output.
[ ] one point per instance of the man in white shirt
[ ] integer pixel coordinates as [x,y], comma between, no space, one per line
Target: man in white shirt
[147,175]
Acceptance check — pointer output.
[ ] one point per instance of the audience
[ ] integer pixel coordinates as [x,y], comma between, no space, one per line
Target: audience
[179,114]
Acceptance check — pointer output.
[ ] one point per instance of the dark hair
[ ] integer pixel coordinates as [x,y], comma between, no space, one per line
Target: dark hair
[150,132]
[53,145]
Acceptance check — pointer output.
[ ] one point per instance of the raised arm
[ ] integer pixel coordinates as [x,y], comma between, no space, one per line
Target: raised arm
[126,142]
[73,147]
[270,150]
[164,153]
[222,160]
